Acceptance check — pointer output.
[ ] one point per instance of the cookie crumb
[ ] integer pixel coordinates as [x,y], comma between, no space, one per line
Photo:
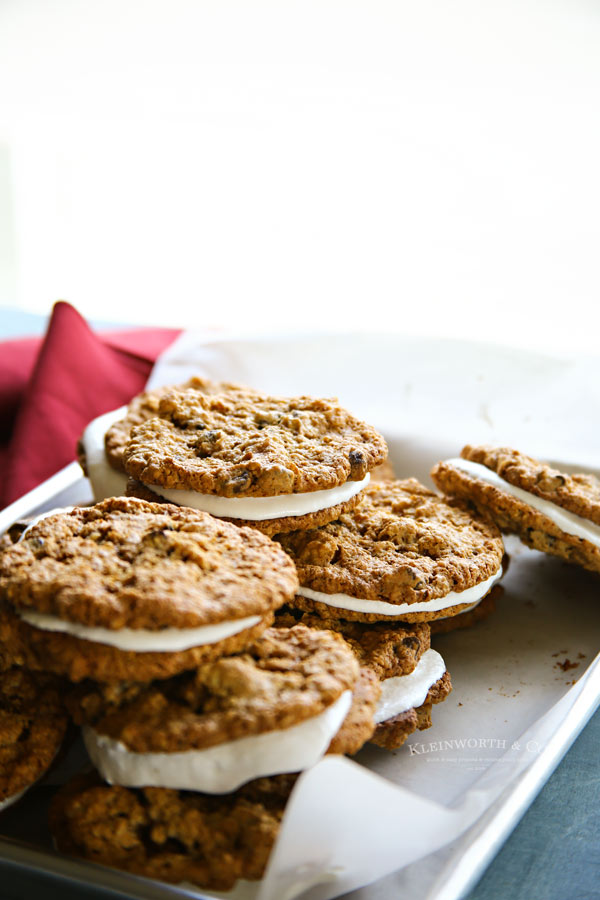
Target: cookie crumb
[566,664]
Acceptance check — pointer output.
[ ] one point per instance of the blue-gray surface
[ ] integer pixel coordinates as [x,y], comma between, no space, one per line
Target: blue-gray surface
[554,852]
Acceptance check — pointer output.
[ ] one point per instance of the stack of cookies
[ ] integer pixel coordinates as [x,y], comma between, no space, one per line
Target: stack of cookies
[157,618]
[373,559]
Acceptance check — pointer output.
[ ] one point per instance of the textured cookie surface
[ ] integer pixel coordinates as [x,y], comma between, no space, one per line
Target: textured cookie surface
[359,725]
[33,722]
[250,445]
[402,544]
[285,677]
[125,563]
[146,405]
[389,650]
[577,494]
[175,836]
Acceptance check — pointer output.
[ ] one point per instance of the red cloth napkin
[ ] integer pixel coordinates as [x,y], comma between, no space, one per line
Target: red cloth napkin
[51,388]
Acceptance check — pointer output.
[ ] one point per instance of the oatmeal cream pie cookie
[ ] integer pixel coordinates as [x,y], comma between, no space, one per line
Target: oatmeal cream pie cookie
[33,722]
[412,674]
[404,554]
[175,836]
[133,590]
[274,463]
[100,447]
[271,709]
[549,510]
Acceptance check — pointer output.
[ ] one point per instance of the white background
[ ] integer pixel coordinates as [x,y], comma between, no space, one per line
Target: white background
[425,167]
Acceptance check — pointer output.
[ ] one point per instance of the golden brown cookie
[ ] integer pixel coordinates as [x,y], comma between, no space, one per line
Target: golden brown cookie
[549,510]
[359,725]
[33,722]
[389,649]
[273,708]
[174,836]
[391,652]
[254,458]
[127,589]
[403,554]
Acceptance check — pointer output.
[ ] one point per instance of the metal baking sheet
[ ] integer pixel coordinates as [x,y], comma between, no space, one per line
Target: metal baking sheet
[25,844]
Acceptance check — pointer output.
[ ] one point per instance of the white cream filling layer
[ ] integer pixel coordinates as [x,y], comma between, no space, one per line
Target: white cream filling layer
[468,609]
[260,509]
[471,596]
[105,481]
[225,767]
[562,518]
[409,691]
[142,640]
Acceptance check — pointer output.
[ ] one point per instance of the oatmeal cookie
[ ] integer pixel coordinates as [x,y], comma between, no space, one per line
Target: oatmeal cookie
[251,457]
[393,653]
[403,554]
[103,590]
[388,649]
[272,708]
[549,510]
[175,836]
[33,722]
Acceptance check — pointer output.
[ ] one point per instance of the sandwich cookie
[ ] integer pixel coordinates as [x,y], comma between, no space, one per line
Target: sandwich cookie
[100,447]
[274,463]
[127,590]
[271,709]
[175,836]
[549,510]
[412,675]
[404,554]
[33,722]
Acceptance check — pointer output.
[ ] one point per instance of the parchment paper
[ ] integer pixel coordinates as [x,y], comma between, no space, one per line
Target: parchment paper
[520,678]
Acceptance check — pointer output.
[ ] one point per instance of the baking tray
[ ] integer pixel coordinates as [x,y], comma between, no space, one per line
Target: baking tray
[25,844]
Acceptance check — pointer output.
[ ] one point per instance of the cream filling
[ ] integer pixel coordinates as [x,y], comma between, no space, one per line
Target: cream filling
[225,767]
[409,691]
[105,481]
[142,640]
[260,509]
[471,595]
[468,609]
[562,518]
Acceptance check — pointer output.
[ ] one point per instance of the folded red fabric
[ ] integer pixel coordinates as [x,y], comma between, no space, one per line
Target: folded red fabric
[50,389]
